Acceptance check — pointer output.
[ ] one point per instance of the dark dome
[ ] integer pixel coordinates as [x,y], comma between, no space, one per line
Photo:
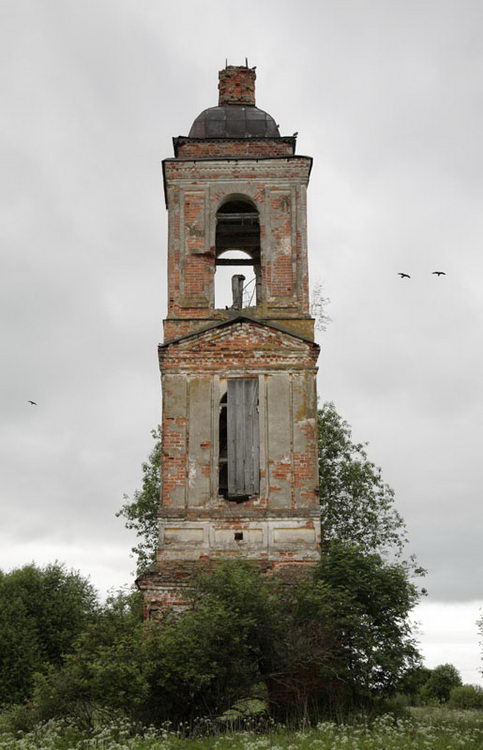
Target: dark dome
[234,121]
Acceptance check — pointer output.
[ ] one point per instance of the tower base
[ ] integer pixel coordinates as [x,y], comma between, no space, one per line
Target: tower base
[167,584]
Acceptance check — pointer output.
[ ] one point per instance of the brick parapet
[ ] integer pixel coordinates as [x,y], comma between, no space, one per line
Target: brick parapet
[208,148]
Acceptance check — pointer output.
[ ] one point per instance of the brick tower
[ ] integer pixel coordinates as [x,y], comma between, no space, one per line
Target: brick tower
[239,436]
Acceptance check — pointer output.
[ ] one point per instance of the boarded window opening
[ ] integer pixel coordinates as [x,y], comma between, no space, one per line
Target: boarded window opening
[223,456]
[239,452]
[237,253]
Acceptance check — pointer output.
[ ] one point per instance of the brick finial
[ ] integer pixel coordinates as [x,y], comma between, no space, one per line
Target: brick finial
[236,85]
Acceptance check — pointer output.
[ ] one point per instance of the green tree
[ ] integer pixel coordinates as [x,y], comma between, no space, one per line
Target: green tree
[373,600]
[337,641]
[466,697]
[412,683]
[141,513]
[104,670]
[192,666]
[357,505]
[42,612]
[345,632]
[440,683]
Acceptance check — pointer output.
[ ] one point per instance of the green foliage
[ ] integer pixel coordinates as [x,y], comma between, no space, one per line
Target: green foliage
[42,612]
[343,634]
[372,600]
[197,665]
[357,505]
[105,671]
[142,512]
[466,697]
[441,681]
[205,661]
[412,682]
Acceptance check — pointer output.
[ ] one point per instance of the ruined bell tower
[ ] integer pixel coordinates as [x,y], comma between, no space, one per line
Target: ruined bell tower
[238,363]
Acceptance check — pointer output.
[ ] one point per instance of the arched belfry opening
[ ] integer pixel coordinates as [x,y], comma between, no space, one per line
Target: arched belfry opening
[237,250]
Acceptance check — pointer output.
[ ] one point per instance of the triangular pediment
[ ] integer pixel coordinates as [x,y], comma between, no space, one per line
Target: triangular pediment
[247,333]
[240,343]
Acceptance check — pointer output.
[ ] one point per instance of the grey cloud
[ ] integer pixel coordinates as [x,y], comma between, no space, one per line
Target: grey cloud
[387,99]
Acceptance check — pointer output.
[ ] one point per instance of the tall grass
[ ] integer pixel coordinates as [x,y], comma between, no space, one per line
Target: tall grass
[428,730]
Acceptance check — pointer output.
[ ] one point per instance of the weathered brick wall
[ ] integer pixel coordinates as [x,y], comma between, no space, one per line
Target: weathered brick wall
[194,372]
[278,528]
[193,148]
[236,85]
[195,192]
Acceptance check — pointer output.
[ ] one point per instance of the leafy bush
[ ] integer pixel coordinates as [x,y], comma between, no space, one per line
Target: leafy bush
[466,696]
[42,613]
[337,641]
[412,682]
[441,681]
[105,671]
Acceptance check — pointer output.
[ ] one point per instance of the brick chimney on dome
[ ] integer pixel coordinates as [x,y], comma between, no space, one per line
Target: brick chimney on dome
[236,85]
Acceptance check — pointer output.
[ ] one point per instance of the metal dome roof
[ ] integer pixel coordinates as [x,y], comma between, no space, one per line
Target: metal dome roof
[234,121]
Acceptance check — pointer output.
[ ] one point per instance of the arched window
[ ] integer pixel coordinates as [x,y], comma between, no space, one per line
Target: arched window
[237,279]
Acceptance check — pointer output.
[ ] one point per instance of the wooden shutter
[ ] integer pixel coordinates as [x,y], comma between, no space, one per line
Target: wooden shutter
[243,437]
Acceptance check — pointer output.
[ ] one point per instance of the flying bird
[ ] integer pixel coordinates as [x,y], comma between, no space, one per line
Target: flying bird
[32,403]
[439,273]
[404,275]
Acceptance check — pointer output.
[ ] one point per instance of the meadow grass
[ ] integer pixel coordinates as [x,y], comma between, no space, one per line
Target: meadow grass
[424,730]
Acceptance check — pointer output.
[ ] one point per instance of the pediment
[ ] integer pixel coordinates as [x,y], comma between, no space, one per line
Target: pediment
[244,334]
[244,341]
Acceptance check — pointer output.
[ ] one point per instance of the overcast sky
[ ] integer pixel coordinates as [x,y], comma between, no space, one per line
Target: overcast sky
[387,96]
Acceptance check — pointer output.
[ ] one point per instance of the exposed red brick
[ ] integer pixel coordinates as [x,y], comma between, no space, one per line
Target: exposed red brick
[277,529]
[236,85]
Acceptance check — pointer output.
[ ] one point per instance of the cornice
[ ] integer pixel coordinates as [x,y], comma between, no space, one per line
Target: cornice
[274,167]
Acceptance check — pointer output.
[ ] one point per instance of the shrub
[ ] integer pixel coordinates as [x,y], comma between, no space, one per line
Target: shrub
[324,646]
[441,681]
[42,612]
[466,696]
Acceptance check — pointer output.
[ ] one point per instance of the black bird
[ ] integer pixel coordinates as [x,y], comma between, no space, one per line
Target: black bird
[439,273]
[32,403]
[404,275]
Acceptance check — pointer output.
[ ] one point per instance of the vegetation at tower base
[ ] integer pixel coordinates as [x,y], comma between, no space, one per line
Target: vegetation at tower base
[42,613]
[327,645]
[345,637]
[323,646]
